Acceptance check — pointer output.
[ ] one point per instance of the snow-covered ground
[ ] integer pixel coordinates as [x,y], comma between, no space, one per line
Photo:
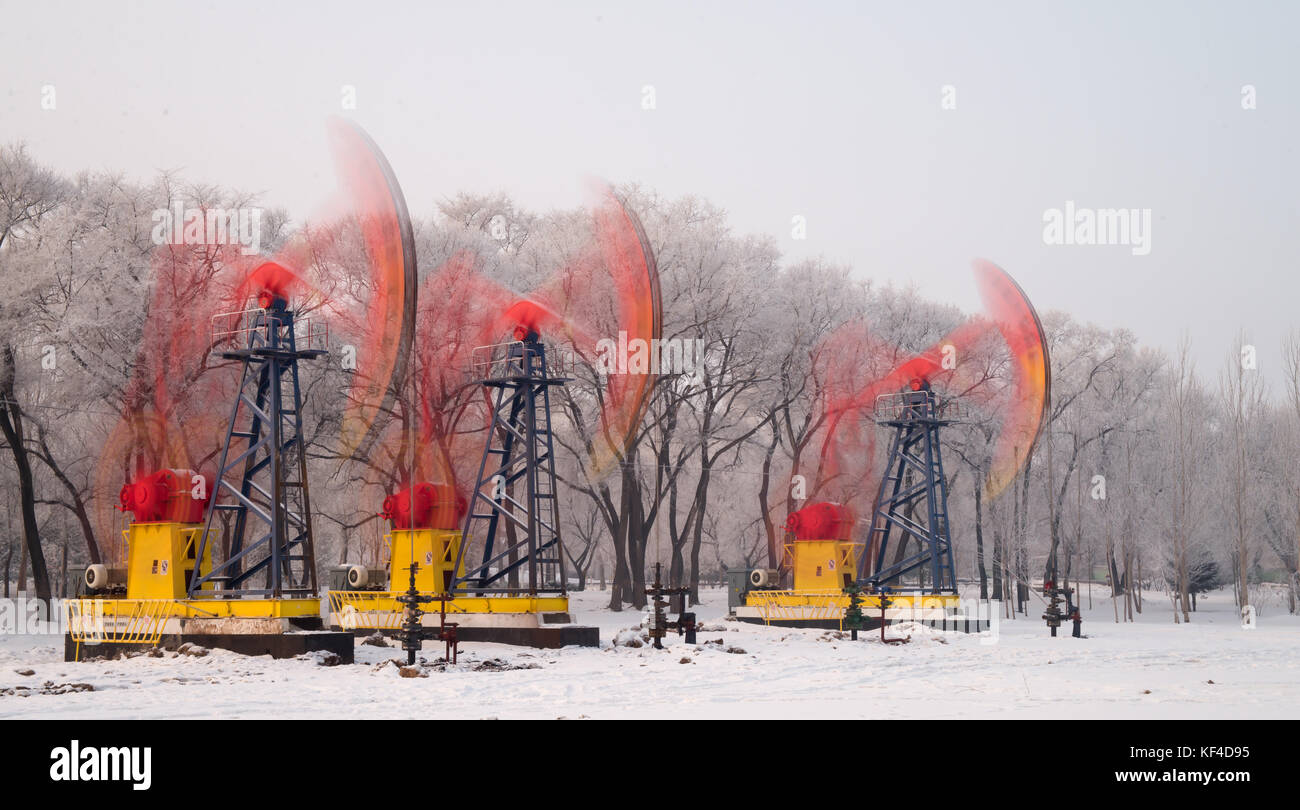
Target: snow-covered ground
[1211,668]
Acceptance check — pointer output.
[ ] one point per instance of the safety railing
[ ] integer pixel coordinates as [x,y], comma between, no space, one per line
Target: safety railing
[917,404]
[231,330]
[800,605]
[499,361]
[365,610]
[118,621]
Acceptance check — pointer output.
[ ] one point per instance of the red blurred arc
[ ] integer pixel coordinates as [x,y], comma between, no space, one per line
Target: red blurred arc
[168,415]
[464,309]
[847,452]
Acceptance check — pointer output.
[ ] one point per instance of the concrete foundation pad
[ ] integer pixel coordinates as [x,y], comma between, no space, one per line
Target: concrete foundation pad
[952,624]
[276,645]
[546,638]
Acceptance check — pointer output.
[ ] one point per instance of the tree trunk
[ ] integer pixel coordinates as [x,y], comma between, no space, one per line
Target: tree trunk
[677,536]
[87,530]
[999,552]
[63,566]
[979,538]
[343,547]
[1127,585]
[22,570]
[620,588]
[11,424]
[1243,572]
[9,544]
[1022,524]
[78,503]
[1112,570]
[697,540]
[769,528]
[636,535]
[1137,597]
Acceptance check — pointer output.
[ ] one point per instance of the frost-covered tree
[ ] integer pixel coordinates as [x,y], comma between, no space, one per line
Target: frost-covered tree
[29,193]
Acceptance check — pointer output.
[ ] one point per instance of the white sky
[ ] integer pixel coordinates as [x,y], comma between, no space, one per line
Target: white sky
[826,110]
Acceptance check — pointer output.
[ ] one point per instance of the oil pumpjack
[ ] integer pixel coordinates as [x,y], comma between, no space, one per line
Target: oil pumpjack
[829,570]
[904,570]
[229,559]
[260,596]
[518,454]
[498,555]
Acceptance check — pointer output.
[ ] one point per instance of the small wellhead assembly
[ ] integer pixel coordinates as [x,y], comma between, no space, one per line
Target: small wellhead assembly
[1053,614]
[657,621]
[413,632]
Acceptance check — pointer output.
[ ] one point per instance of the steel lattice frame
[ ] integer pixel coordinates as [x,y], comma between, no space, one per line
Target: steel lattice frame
[519,449]
[914,474]
[278,543]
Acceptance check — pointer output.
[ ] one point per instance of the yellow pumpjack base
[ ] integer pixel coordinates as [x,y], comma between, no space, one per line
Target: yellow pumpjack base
[380,610]
[827,608]
[212,607]
[434,552]
[841,600]
[161,559]
[386,601]
[820,570]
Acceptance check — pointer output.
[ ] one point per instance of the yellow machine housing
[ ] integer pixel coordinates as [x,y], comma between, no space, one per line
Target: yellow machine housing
[160,559]
[824,565]
[434,550]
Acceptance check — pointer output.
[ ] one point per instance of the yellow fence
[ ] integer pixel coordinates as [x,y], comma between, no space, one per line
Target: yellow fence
[365,610]
[800,605]
[118,621]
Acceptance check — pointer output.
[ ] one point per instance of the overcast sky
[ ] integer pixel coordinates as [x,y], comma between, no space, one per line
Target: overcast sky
[829,111]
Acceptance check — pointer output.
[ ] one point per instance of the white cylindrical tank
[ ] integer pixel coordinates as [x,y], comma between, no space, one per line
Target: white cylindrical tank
[96,577]
[358,576]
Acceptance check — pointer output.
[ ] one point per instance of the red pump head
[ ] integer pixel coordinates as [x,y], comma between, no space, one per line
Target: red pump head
[526,318]
[434,506]
[272,281]
[821,521]
[166,495]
